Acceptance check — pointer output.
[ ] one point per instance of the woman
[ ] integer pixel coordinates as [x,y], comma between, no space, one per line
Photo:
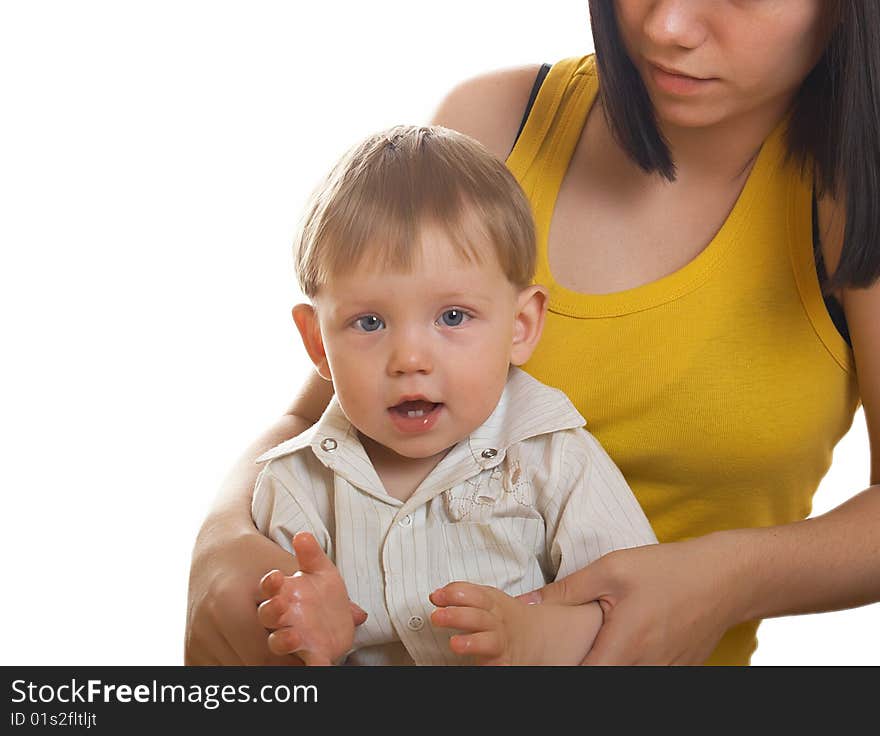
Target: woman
[674,207]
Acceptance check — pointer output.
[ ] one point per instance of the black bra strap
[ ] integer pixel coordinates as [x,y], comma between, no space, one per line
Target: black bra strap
[835,309]
[539,80]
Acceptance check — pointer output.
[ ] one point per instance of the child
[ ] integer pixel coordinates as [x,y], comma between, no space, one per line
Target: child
[437,459]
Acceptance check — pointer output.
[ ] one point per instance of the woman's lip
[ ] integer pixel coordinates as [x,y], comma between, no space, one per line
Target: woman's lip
[679,74]
[677,84]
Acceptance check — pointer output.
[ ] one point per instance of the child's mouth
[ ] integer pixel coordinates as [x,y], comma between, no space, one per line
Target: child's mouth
[415,416]
[414,408]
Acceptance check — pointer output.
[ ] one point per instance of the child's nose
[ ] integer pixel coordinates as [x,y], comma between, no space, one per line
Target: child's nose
[410,353]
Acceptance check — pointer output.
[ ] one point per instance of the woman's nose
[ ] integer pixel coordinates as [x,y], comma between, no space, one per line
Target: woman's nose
[679,23]
[410,353]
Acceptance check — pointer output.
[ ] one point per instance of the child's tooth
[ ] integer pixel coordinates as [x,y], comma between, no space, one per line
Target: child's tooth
[417,413]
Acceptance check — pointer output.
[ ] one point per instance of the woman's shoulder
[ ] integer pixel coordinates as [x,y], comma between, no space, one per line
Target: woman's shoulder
[489,107]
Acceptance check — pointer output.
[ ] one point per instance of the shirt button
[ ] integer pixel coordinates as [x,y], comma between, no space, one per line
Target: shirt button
[328,444]
[405,521]
[490,453]
[416,623]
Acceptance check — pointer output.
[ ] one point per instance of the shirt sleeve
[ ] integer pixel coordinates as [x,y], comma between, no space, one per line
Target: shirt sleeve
[279,513]
[593,510]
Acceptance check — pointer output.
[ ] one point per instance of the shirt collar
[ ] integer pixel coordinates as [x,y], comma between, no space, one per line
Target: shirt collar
[527,408]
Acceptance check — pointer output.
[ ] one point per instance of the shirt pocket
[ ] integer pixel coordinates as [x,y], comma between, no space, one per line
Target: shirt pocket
[498,492]
[500,553]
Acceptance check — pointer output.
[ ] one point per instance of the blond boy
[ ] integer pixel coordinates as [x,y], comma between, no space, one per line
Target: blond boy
[442,480]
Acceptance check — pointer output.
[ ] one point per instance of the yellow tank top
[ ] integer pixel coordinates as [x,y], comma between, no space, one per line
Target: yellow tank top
[719,390]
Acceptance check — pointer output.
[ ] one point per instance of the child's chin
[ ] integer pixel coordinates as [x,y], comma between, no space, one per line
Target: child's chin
[419,451]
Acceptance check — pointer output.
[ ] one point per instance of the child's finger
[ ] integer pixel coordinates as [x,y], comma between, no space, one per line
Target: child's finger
[271,612]
[271,583]
[312,659]
[463,618]
[487,644]
[358,614]
[464,594]
[309,555]
[285,641]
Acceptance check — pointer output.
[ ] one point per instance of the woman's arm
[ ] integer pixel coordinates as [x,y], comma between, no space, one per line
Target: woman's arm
[832,561]
[230,556]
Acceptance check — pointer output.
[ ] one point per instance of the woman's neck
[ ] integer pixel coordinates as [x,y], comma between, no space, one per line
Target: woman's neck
[724,151]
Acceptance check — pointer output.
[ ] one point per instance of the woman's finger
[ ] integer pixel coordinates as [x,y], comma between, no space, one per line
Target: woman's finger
[581,586]
[610,648]
[207,652]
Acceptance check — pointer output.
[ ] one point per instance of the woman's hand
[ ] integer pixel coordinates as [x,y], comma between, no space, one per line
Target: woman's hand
[663,603]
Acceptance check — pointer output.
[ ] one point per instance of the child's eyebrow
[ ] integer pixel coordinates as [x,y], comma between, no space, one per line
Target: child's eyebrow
[379,301]
[461,296]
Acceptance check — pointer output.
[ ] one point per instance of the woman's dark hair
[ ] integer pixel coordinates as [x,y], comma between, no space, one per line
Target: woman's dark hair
[834,128]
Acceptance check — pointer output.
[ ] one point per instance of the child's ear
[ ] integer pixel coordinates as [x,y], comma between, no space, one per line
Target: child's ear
[306,319]
[529,323]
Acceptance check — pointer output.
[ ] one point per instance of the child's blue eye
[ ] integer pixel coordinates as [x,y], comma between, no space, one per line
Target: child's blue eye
[369,323]
[453,317]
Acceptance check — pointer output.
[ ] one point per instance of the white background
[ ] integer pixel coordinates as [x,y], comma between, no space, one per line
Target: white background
[154,161]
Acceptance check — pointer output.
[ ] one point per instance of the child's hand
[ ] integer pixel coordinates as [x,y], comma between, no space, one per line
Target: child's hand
[501,630]
[309,612]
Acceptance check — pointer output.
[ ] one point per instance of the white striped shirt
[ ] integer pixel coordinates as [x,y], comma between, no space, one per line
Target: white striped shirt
[528,497]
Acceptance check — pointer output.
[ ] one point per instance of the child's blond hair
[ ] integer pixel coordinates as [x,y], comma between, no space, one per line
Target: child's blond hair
[382,192]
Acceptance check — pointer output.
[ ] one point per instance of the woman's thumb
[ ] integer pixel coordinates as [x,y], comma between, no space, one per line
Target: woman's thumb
[581,586]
